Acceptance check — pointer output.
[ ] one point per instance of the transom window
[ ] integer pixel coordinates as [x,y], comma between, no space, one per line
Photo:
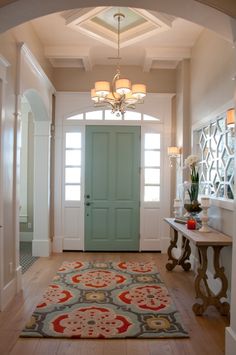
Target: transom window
[107,115]
[216,145]
[73,166]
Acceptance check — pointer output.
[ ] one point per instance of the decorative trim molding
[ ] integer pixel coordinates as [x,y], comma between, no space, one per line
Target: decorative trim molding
[71,56]
[166,55]
[32,61]
[4,64]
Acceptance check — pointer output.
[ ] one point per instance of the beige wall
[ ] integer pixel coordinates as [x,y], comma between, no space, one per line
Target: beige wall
[25,33]
[75,79]
[213,64]
[183,122]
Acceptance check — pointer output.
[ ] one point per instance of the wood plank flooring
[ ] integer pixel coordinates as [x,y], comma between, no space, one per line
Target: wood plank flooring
[206,332]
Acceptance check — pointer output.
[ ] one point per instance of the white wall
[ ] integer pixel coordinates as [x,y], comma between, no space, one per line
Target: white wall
[213,65]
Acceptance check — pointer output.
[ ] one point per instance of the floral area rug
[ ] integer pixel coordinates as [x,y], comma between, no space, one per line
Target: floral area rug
[106,300]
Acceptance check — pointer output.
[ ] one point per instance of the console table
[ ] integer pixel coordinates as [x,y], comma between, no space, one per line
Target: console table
[203,241]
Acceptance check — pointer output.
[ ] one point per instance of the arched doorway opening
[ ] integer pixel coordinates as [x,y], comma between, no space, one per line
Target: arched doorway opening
[39,174]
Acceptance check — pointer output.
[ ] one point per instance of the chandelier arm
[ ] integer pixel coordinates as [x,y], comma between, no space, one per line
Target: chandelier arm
[121,99]
[116,76]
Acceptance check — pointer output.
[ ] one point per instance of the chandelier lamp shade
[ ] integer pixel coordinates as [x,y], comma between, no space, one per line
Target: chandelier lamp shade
[120,94]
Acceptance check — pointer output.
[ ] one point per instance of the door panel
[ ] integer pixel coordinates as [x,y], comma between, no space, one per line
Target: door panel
[123,223]
[99,223]
[100,166]
[112,185]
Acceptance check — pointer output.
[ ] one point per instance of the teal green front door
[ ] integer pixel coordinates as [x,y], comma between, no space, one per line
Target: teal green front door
[112,188]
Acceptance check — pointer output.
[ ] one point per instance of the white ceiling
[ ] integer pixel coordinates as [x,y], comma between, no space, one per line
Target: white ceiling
[71,40]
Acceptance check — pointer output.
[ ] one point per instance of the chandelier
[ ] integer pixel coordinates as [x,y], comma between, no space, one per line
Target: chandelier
[120,94]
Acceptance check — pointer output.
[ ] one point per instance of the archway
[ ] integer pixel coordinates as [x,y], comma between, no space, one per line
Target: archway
[16,13]
[223,25]
[41,174]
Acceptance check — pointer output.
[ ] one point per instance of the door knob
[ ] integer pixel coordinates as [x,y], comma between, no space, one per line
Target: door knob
[87,204]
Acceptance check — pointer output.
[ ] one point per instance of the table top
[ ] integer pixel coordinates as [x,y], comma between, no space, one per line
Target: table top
[213,237]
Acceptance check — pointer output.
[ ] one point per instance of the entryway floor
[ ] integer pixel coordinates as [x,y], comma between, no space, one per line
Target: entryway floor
[26,258]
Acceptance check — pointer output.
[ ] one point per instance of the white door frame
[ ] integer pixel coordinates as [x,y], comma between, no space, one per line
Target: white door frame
[38,90]
[4,64]
[67,104]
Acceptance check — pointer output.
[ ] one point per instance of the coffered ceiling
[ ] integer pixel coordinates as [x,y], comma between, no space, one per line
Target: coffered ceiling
[86,37]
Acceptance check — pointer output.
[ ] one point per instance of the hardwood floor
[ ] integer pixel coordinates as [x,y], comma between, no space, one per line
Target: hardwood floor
[206,332]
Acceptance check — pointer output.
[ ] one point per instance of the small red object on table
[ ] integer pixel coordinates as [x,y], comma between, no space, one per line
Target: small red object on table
[191,223]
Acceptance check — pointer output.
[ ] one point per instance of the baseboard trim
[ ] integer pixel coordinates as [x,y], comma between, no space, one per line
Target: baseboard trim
[57,244]
[41,248]
[230,341]
[72,244]
[150,245]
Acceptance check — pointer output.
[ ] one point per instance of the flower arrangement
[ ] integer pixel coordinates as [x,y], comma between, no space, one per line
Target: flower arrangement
[191,163]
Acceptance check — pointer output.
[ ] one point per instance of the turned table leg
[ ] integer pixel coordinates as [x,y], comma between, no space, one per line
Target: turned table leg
[173,244]
[202,288]
[185,253]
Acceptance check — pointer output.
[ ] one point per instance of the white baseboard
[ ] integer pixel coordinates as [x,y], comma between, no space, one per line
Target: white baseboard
[57,244]
[26,236]
[41,248]
[150,245]
[72,244]
[230,341]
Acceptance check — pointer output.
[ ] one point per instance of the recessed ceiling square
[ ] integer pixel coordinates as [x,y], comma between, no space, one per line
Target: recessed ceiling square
[100,24]
[107,20]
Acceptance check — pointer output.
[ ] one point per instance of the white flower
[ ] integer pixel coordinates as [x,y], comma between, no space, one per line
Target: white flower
[191,161]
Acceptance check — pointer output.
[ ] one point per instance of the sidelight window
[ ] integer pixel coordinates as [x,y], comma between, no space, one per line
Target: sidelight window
[151,167]
[73,166]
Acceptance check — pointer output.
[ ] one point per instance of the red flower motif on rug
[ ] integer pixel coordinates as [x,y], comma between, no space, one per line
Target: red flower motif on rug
[67,266]
[98,278]
[54,295]
[136,266]
[147,297]
[91,322]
